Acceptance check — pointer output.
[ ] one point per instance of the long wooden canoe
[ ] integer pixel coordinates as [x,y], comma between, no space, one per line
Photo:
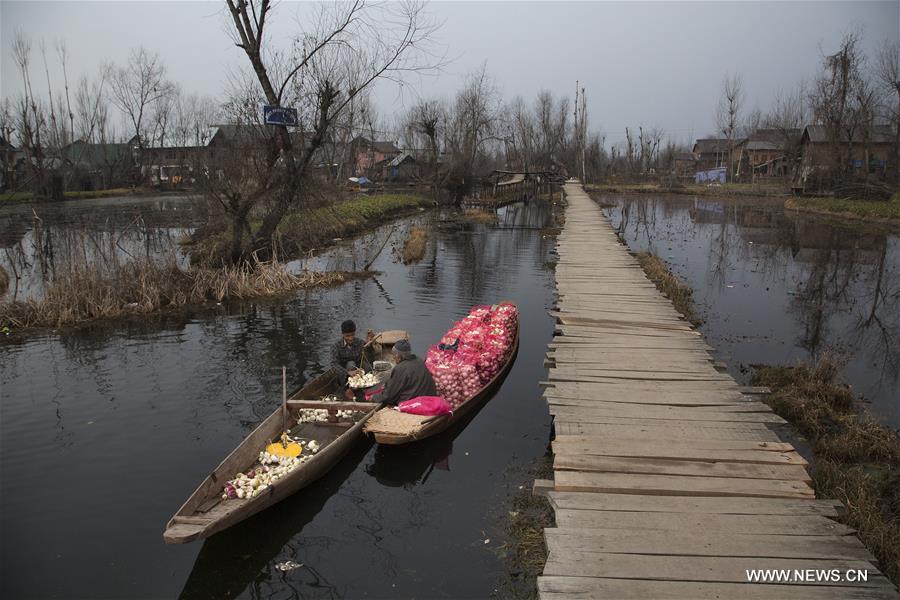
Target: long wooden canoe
[206,512]
[389,426]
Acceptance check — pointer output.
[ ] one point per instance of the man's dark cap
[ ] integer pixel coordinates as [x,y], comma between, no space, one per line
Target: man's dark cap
[348,327]
[403,346]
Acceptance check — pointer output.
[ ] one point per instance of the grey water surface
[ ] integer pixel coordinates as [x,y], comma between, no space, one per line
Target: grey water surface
[106,429]
[776,287]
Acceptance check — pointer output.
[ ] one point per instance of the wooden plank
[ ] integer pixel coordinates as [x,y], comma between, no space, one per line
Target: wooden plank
[626,409]
[650,450]
[189,520]
[358,406]
[674,485]
[703,544]
[684,481]
[705,523]
[556,376]
[647,414]
[688,505]
[663,432]
[721,569]
[692,444]
[659,466]
[714,390]
[588,588]
[643,399]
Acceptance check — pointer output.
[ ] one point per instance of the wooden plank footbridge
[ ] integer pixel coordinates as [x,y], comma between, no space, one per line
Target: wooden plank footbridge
[668,481]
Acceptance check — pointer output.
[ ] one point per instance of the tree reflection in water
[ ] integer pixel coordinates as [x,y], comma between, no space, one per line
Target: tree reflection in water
[781,287]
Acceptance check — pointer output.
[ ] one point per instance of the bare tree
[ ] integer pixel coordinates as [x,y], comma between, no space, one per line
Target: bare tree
[472,124]
[425,123]
[31,126]
[138,86]
[887,74]
[342,51]
[162,115]
[552,132]
[649,148]
[833,101]
[728,114]
[787,117]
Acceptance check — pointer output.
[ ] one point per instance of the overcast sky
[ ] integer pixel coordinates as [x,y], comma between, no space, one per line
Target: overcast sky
[651,63]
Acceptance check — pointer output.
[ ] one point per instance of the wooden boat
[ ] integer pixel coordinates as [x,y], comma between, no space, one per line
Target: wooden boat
[206,512]
[389,426]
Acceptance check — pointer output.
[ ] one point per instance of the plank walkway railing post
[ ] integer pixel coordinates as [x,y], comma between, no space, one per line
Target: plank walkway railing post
[668,480]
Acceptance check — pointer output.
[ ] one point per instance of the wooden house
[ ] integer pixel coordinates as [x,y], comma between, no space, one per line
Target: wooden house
[710,153]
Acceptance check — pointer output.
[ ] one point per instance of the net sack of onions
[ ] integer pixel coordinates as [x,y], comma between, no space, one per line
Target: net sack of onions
[482,313]
[506,317]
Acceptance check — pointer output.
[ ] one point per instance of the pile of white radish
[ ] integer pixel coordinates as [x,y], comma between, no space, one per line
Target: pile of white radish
[362,381]
[271,468]
[483,343]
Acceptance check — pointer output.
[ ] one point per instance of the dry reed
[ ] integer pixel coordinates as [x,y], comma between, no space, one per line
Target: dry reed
[85,292]
[476,215]
[525,552]
[414,248]
[681,295]
[857,460]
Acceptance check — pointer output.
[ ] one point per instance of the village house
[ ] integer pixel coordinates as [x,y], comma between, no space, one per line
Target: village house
[819,151]
[710,153]
[766,153]
[684,164]
[368,154]
[12,165]
[98,166]
[401,168]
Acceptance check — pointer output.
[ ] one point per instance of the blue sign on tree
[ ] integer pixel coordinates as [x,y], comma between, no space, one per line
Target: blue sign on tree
[277,115]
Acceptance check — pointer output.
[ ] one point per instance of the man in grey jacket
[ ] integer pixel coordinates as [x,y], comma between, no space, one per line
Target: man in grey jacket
[410,378]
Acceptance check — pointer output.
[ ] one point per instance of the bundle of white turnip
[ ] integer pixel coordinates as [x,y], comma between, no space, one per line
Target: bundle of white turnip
[483,341]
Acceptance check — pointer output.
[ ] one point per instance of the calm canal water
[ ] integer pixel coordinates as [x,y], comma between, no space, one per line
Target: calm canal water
[106,429]
[38,239]
[777,288]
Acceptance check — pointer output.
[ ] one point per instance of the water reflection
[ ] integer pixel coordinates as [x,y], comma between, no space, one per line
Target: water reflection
[143,408]
[412,464]
[236,560]
[38,239]
[781,287]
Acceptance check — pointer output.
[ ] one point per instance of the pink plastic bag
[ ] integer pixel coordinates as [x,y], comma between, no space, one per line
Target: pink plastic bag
[368,395]
[425,405]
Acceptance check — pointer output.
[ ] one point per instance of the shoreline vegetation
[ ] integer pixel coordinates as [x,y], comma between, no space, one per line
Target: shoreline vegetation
[525,552]
[480,216]
[883,211]
[11,198]
[312,228]
[414,247]
[681,294]
[856,460]
[86,292]
[847,208]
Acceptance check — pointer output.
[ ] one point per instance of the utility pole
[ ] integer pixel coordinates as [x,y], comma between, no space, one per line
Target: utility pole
[583,135]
